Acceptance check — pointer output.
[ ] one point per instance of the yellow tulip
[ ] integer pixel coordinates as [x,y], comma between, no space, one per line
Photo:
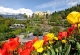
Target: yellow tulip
[40,50]
[73,17]
[38,45]
[64,41]
[78,25]
[55,38]
[50,42]
[50,36]
[48,47]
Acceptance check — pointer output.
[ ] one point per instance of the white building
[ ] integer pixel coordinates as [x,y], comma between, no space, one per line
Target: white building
[42,13]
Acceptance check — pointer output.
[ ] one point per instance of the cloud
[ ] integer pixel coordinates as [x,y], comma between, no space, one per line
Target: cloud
[72,3]
[9,11]
[58,4]
[46,5]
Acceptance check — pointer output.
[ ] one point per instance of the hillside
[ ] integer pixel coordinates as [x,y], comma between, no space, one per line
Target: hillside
[65,12]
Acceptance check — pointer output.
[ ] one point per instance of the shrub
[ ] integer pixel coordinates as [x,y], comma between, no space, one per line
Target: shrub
[37,32]
[5,36]
[16,32]
[4,28]
[55,30]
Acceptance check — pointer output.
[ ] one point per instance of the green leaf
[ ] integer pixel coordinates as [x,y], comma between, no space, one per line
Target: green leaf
[60,49]
[48,52]
[78,47]
[52,50]
[68,50]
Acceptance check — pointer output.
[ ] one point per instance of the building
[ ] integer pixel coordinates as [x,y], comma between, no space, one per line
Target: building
[42,13]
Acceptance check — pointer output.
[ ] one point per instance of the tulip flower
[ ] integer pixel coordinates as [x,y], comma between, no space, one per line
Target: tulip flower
[51,42]
[12,44]
[59,38]
[19,50]
[73,17]
[71,29]
[25,52]
[3,52]
[64,41]
[78,25]
[38,45]
[50,36]
[62,35]
[45,38]
[55,38]
[29,45]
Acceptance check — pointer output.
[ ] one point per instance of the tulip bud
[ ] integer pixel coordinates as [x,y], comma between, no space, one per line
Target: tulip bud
[64,41]
[55,38]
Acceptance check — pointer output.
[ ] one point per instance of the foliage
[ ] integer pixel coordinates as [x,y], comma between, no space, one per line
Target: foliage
[7,22]
[5,36]
[37,32]
[29,29]
[16,32]
[4,28]
[55,30]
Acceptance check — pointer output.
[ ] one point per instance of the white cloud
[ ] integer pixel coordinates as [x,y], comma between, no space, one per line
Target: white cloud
[45,5]
[4,10]
[72,3]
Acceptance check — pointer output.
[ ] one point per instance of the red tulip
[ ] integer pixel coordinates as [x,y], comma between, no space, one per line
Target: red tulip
[19,50]
[3,51]
[62,34]
[71,30]
[59,38]
[7,46]
[12,44]
[29,45]
[25,52]
[45,38]
[73,27]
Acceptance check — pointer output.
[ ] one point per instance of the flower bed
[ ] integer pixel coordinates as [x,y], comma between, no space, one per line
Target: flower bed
[65,43]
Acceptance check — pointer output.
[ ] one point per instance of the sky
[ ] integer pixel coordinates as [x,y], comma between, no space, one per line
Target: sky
[30,6]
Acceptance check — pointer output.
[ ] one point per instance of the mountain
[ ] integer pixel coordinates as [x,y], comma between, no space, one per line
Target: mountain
[18,16]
